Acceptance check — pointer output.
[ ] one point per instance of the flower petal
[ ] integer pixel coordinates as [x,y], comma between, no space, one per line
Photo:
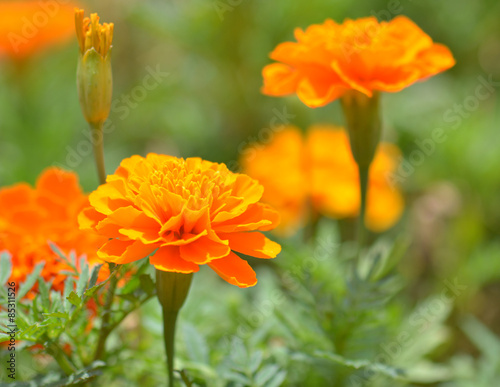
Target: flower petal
[254,244]
[121,252]
[234,270]
[203,250]
[259,216]
[168,258]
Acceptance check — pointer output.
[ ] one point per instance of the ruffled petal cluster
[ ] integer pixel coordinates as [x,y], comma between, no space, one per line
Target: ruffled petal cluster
[319,172]
[30,218]
[365,55]
[27,27]
[182,213]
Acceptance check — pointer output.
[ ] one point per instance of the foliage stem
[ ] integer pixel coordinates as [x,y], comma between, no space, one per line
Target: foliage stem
[98,145]
[169,322]
[363,188]
[58,354]
[172,289]
[106,327]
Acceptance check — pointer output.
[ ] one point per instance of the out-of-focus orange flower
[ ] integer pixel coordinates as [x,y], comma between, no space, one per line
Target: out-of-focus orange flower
[320,172]
[30,218]
[27,27]
[188,212]
[330,59]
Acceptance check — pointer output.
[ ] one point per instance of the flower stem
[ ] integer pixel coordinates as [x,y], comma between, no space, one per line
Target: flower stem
[172,289]
[106,327]
[363,188]
[57,353]
[98,145]
[169,321]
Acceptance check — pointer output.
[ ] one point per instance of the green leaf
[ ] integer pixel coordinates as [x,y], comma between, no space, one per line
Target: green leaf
[147,283]
[83,278]
[255,361]
[68,288]
[94,276]
[5,267]
[266,373]
[394,373]
[390,257]
[277,379]
[237,377]
[43,289]
[74,299]
[61,255]
[130,286]
[90,292]
[485,340]
[30,281]
[239,354]
[56,314]
[196,345]
[4,337]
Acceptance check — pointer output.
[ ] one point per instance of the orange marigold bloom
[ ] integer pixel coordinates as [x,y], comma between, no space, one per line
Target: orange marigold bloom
[365,55]
[30,218]
[189,212]
[321,172]
[27,27]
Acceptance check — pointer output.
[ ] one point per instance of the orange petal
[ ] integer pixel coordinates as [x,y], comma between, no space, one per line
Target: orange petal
[279,79]
[135,224]
[15,196]
[56,183]
[258,216]
[168,258]
[316,91]
[203,250]
[234,270]
[121,252]
[109,197]
[254,244]
[89,218]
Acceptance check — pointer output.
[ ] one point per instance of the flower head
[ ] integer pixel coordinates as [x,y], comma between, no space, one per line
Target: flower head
[94,76]
[365,55]
[320,172]
[188,212]
[91,34]
[27,27]
[31,218]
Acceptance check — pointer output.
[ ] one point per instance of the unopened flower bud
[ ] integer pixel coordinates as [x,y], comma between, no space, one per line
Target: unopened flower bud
[94,77]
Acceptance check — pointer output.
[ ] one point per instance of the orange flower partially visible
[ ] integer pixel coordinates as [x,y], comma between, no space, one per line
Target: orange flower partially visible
[188,212]
[27,27]
[330,59]
[320,172]
[30,218]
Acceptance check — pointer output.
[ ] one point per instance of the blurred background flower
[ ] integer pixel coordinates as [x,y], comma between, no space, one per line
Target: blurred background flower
[31,218]
[364,54]
[30,27]
[318,174]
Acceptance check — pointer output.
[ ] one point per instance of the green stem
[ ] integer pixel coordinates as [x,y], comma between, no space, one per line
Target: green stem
[98,145]
[169,321]
[363,187]
[106,327]
[172,289]
[58,354]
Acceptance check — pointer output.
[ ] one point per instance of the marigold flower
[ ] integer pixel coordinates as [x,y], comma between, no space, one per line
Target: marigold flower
[30,218]
[320,172]
[27,27]
[188,212]
[365,55]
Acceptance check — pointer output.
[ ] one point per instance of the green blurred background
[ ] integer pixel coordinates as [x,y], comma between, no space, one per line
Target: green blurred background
[210,105]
